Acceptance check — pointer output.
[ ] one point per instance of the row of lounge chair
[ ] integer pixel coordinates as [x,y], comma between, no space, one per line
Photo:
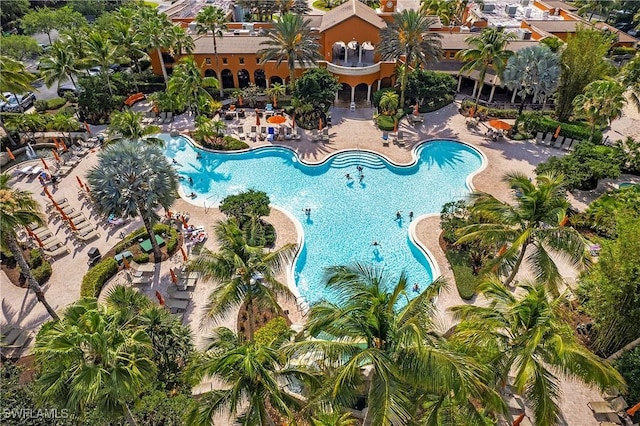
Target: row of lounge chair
[162,118]
[316,136]
[284,133]
[81,227]
[561,142]
[397,138]
[47,242]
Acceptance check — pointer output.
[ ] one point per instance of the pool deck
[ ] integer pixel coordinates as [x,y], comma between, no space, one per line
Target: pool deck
[350,130]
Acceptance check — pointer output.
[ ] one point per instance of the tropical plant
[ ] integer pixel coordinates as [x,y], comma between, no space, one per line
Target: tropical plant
[59,63]
[123,34]
[20,47]
[629,367]
[534,227]
[102,52]
[291,40]
[214,19]
[630,78]
[28,124]
[127,125]
[18,209]
[408,361]
[89,358]
[181,43]
[408,38]
[133,179]
[153,30]
[245,274]
[601,102]
[63,122]
[487,51]
[14,77]
[532,71]
[253,375]
[333,418]
[582,61]
[445,10]
[275,92]
[389,102]
[317,87]
[187,82]
[45,20]
[529,335]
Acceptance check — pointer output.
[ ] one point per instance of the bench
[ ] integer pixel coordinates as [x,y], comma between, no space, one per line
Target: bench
[124,254]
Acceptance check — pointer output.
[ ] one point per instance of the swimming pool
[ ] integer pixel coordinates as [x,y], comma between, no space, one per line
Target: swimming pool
[347,215]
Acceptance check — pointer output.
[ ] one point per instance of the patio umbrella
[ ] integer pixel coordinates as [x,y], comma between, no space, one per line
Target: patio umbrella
[276,119]
[87,188]
[64,146]
[38,240]
[518,420]
[80,182]
[239,100]
[44,163]
[472,111]
[257,120]
[633,410]
[499,125]
[293,121]
[29,231]
[557,133]
[160,298]
[55,154]
[126,263]
[56,143]
[10,154]
[184,253]
[320,124]
[48,194]
[184,222]
[416,109]
[169,214]
[86,126]
[71,225]
[174,277]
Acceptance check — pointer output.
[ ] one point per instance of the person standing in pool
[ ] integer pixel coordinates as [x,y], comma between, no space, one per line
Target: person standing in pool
[410,216]
[359,168]
[348,176]
[398,215]
[361,178]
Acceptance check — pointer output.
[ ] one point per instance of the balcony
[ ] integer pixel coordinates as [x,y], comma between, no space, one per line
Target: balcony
[353,70]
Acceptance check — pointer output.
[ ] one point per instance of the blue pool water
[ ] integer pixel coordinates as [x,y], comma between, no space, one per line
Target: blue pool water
[346,215]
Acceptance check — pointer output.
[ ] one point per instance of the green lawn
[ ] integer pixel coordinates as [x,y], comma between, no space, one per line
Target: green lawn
[466,282]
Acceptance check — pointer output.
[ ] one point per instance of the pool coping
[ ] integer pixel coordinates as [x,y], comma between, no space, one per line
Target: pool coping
[290,273]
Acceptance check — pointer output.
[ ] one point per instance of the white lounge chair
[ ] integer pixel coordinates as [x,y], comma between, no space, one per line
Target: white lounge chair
[568,144]
[325,135]
[559,142]
[547,139]
[539,138]
[241,133]
[314,135]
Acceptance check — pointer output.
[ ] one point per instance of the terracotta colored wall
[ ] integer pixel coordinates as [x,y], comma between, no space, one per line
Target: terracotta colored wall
[351,29]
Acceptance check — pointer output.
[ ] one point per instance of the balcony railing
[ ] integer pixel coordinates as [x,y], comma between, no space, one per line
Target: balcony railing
[360,70]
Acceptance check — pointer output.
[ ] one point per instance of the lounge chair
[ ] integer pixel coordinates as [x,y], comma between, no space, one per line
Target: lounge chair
[179,294]
[143,280]
[263,132]
[60,251]
[559,142]
[568,144]
[35,171]
[400,138]
[297,135]
[162,117]
[547,139]
[144,268]
[92,235]
[25,171]
[287,133]
[178,305]
[241,135]
[42,231]
[169,117]
[325,135]
[314,135]
[539,138]
[253,135]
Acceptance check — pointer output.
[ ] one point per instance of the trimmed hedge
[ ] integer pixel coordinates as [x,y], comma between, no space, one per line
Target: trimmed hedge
[466,282]
[273,331]
[56,103]
[94,279]
[229,143]
[536,122]
[489,112]
[385,122]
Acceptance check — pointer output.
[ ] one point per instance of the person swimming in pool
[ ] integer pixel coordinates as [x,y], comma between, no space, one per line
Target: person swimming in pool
[416,288]
[348,176]
[174,161]
[190,180]
[410,215]
[193,195]
[198,156]
[398,215]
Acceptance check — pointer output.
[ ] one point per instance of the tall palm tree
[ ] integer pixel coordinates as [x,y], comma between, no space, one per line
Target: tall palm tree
[59,63]
[14,78]
[532,71]
[123,34]
[253,375]
[290,39]
[486,51]
[245,274]
[133,179]
[102,52]
[18,209]
[153,30]
[445,10]
[534,227]
[408,38]
[181,42]
[89,358]
[529,335]
[127,125]
[29,124]
[275,92]
[389,102]
[65,123]
[214,19]
[187,82]
[630,78]
[600,102]
[407,359]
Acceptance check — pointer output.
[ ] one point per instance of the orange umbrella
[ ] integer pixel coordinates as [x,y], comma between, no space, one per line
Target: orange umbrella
[169,214]
[10,154]
[276,119]
[48,194]
[240,100]
[557,133]
[56,143]
[293,121]
[125,262]
[472,111]
[29,231]
[518,420]
[499,124]
[633,410]
[160,298]
[44,163]
[80,182]
[174,277]
[86,126]
[64,146]
[184,222]
[184,253]
[73,227]
[87,187]
[416,109]
[55,154]
[38,240]
[257,120]
[320,124]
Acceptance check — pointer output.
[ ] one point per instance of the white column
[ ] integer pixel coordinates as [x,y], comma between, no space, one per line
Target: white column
[475,87]
[267,80]
[379,83]
[337,92]
[368,93]
[360,54]
[493,91]
[353,93]
[513,98]
[459,82]
[346,53]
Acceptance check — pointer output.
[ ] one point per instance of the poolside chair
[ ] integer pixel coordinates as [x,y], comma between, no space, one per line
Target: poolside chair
[25,171]
[241,133]
[297,135]
[547,139]
[559,142]
[287,133]
[567,144]
[539,138]
[88,237]
[162,117]
[263,132]
[325,135]
[144,268]
[254,133]
[314,135]
[400,138]
[60,251]
[142,280]
[169,117]
[573,145]
[177,305]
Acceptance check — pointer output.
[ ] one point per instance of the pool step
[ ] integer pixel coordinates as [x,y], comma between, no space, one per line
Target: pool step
[364,160]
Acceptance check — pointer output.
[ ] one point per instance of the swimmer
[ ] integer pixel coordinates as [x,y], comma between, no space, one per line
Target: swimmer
[174,161]
[398,215]
[410,215]
[198,156]
[192,195]
[348,176]
[361,178]
[307,212]
[190,180]
[180,177]
[416,287]
[359,168]
[375,243]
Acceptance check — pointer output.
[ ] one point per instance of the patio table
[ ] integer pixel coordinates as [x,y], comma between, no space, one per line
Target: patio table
[146,244]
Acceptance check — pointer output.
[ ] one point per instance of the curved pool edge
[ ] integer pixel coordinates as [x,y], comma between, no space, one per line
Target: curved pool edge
[413,237]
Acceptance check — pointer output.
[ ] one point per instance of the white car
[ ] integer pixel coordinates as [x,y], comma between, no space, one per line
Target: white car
[18,103]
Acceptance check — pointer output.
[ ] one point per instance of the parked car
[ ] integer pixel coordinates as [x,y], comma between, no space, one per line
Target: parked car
[93,71]
[19,103]
[67,87]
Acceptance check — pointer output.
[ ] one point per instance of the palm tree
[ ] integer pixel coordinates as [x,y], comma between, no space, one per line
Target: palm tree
[187,81]
[290,39]
[252,374]
[532,71]
[59,63]
[214,19]
[123,34]
[407,359]
[389,102]
[89,358]
[534,224]
[27,123]
[133,179]
[630,78]
[275,92]
[18,209]
[333,418]
[245,274]
[14,78]
[153,32]
[181,42]
[65,123]
[408,38]
[443,9]
[102,52]
[600,102]
[127,125]
[529,335]
[486,51]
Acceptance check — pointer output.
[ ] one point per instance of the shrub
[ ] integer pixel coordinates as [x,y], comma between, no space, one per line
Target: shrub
[377,95]
[40,105]
[466,281]
[141,258]
[94,279]
[623,50]
[275,330]
[629,366]
[56,103]
[488,112]
[534,122]
[36,258]
[385,122]
[42,273]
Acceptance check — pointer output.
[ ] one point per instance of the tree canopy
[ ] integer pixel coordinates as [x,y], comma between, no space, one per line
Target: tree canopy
[316,86]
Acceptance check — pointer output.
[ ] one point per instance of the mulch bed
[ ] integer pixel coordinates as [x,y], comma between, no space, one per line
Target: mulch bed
[12,270]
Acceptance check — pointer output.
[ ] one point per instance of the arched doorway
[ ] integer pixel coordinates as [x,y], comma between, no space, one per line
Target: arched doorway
[227,79]
[243,78]
[344,94]
[368,53]
[210,73]
[275,79]
[386,82]
[361,92]
[259,78]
